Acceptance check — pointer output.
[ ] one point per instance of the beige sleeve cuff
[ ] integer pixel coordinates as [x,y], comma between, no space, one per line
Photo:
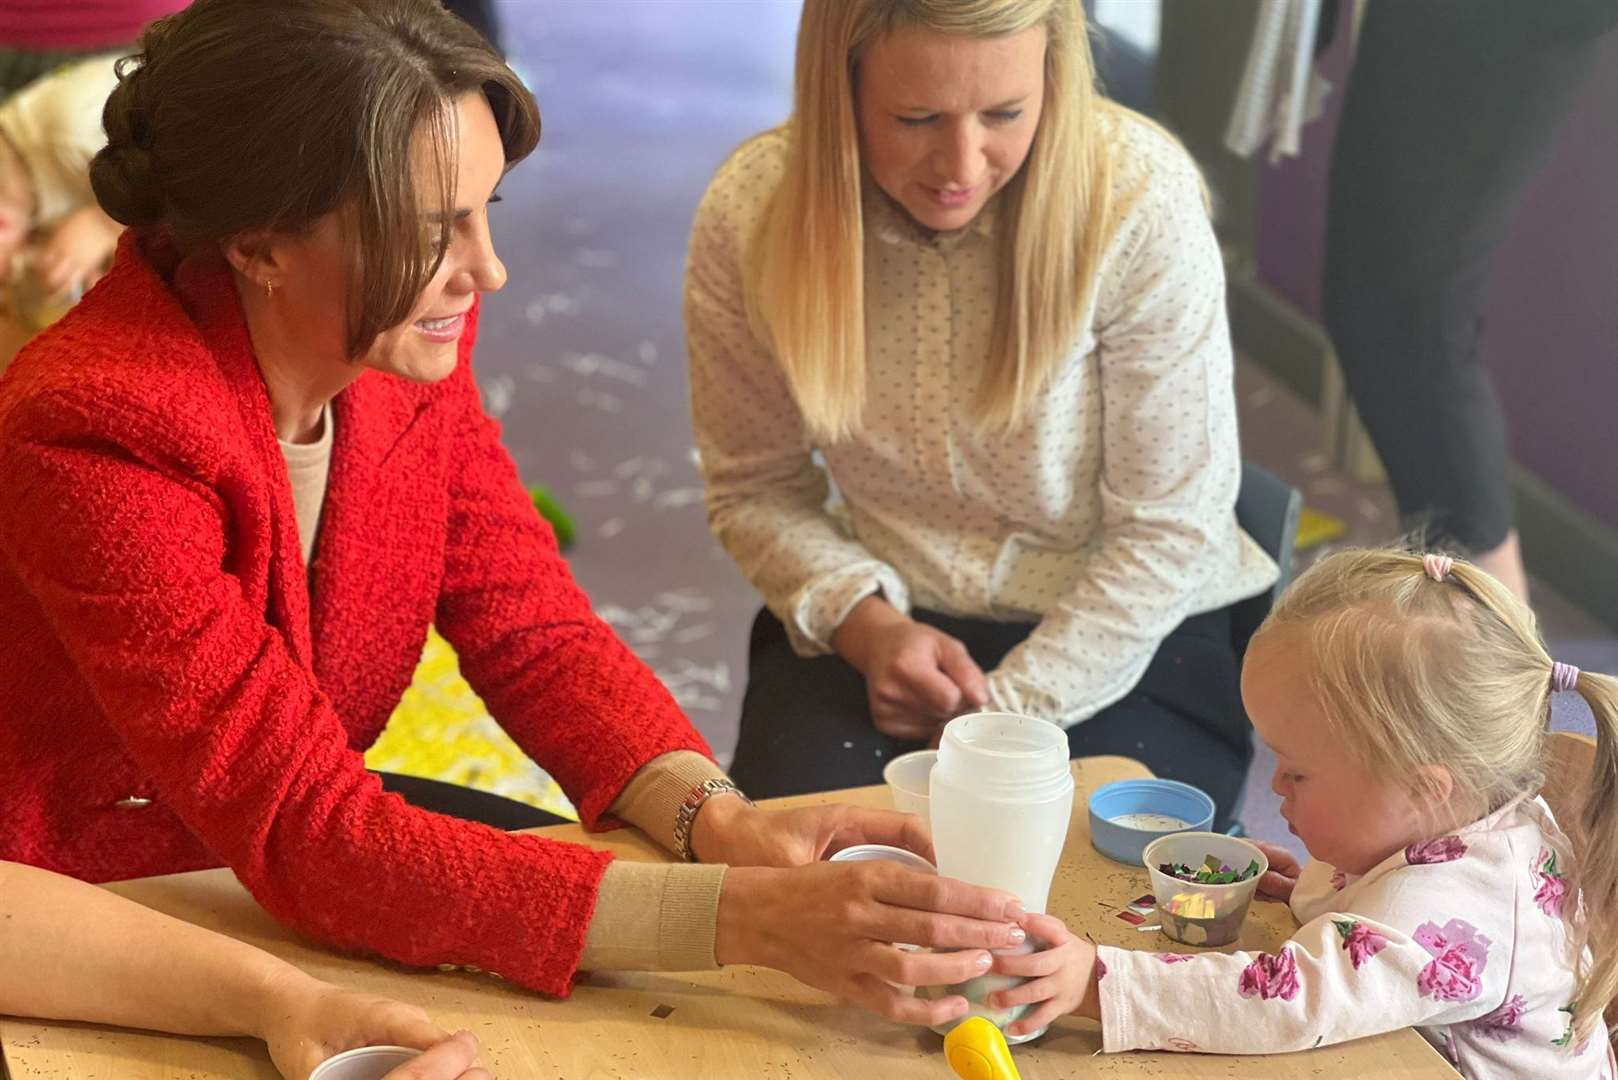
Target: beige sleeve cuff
[652,798]
[654,917]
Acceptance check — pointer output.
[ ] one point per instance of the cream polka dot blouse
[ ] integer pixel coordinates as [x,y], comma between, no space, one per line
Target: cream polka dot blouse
[1107,517]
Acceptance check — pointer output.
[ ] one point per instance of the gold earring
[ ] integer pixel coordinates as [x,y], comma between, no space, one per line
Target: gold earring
[269,290]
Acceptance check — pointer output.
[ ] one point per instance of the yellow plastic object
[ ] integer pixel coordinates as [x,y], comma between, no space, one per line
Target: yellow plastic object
[442,731]
[1315,527]
[976,1050]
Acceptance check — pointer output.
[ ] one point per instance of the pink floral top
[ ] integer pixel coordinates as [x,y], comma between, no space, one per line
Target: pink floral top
[1461,937]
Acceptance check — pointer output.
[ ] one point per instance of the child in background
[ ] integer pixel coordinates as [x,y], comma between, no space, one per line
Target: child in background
[1407,699]
[71,951]
[55,240]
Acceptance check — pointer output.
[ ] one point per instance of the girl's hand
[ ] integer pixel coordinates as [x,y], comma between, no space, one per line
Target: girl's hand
[1061,977]
[832,926]
[305,1021]
[917,677]
[1282,876]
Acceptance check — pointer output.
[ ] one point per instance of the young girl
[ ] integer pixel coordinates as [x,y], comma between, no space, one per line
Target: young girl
[1407,700]
[49,131]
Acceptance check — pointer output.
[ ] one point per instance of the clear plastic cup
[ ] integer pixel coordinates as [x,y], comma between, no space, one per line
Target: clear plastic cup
[907,777]
[1202,914]
[366,1063]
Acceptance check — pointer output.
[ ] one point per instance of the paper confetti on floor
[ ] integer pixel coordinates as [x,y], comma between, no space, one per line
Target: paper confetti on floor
[441,730]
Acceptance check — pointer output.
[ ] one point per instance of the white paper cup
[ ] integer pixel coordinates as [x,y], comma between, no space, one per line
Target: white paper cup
[907,778]
[366,1063]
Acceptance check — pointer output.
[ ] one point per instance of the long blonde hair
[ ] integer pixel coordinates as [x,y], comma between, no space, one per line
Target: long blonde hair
[1411,671]
[806,260]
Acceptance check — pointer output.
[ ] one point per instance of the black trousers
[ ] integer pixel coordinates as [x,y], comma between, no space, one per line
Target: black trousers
[806,723]
[1451,109]
[469,804]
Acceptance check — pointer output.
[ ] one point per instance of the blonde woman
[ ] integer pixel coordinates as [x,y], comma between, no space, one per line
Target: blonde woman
[992,302]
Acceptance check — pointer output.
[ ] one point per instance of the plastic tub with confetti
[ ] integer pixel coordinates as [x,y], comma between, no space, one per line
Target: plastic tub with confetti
[1199,913]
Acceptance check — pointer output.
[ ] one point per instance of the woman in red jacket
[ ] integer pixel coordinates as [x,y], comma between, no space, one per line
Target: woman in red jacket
[240,479]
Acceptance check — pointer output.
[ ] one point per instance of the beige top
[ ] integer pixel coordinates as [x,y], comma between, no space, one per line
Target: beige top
[648,916]
[54,123]
[308,465]
[1108,516]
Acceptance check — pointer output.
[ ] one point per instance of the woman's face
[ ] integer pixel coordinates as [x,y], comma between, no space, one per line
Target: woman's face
[311,289]
[946,120]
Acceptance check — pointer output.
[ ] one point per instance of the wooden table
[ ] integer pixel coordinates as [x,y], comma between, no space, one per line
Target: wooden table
[744,1023]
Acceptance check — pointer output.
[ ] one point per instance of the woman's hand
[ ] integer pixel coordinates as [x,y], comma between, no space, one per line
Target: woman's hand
[1063,977]
[728,830]
[453,1059]
[1282,876]
[831,925]
[305,1021]
[917,677]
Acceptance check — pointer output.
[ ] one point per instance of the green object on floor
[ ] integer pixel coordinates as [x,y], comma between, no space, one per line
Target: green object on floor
[551,511]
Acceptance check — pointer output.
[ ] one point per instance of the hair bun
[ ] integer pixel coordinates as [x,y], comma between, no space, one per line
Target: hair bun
[124,174]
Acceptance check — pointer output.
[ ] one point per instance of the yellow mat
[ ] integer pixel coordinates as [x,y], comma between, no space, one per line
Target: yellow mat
[442,731]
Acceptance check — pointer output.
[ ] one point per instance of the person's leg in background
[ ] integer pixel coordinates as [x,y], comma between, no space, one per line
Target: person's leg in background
[1184,720]
[1451,108]
[806,723]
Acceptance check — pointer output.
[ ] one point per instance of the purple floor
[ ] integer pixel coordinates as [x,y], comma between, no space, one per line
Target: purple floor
[582,356]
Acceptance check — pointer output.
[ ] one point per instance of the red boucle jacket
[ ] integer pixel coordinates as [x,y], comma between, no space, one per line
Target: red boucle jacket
[160,639]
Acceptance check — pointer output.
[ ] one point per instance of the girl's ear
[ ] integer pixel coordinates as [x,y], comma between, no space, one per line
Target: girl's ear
[1433,787]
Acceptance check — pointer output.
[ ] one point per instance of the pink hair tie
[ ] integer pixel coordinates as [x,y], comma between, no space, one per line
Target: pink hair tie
[1437,566]
[1564,677]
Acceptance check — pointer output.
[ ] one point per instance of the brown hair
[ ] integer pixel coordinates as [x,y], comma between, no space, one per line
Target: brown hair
[1412,671]
[237,115]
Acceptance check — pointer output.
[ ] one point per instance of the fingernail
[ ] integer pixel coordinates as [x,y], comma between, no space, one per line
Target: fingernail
[983,960]
[1018,935]
[1015,910]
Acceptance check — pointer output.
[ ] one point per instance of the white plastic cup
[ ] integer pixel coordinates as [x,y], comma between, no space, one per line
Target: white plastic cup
[907,778]
[366,1063]
[884,853]
[1001,802]
[887,853]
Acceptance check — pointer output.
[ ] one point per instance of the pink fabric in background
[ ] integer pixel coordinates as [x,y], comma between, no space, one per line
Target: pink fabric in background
[78,24]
